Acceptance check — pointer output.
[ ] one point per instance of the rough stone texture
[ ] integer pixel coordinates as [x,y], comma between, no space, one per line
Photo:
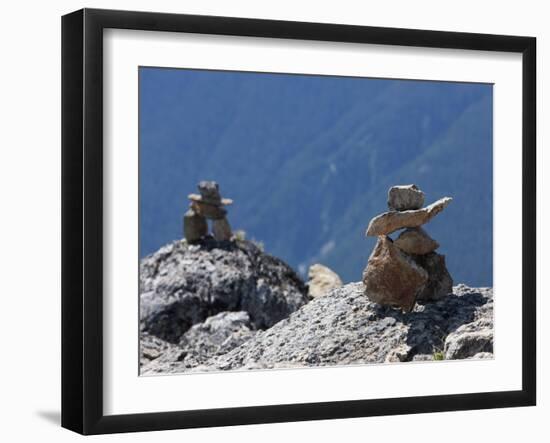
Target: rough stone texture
[321,280]
[416,241]
[344,327]
[217,335]
[182,285]
[194,226]
[482,356]
[221,229]
[152,347]
[391,277]
[405,197]
[470,340]
[389,222]
[440,282]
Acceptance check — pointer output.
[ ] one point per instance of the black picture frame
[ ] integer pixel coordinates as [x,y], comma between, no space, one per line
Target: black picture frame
[82,218]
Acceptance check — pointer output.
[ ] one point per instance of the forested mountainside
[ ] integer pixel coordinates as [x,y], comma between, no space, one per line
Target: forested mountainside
[308,161]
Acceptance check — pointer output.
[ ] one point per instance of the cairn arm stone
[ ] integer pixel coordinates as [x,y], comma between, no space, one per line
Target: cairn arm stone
[389,222]
[212,212]
[391,277]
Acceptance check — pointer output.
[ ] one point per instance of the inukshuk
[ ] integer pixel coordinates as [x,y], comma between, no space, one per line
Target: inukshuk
[207,205]
[406,270]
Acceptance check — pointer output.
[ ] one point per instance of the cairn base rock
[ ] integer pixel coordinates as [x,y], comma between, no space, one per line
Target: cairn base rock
[391,277]
[221,229]
[194,226]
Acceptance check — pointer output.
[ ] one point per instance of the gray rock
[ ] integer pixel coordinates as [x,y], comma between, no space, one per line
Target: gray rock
[416,241]
[321,280]
[483,356]
[440,282]
[470,340]
[344,327]
[405,197]
[194,226]
[182,285]
[217,335]
[391,277]
[389,222]
[152,347]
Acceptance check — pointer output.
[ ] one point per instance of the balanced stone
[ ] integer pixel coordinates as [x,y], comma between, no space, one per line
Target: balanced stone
[405,197]
[221,229]
[389,222]
[207,205]
[194,226]
[392,277]
[210,193]
[212,212]
[440,282]
[416,241]
[322,280]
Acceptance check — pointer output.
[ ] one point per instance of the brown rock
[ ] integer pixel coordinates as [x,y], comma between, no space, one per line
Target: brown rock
[440,282]
[391,277]
[416,241]
[389,222]
[221,229]
[194,226]
[405,197]
[321,280]
[210,193]
[212,212]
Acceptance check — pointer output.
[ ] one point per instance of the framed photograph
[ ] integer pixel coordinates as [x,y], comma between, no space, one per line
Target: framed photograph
[269,221]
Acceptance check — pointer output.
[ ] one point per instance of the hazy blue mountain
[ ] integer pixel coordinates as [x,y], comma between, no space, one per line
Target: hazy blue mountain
[308,161]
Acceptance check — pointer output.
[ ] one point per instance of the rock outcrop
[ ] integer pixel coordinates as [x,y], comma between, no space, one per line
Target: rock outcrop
[182,285]
[344,327]
[321,280]
[217,335]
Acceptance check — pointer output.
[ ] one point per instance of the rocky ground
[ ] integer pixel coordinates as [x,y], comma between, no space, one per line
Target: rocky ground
[229,306]
[196,298]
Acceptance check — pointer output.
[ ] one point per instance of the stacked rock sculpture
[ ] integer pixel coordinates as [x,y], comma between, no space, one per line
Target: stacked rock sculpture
[208,204]
[401,272]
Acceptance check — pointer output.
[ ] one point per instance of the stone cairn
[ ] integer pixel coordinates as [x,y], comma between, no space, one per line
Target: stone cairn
[208,204]
[399,273]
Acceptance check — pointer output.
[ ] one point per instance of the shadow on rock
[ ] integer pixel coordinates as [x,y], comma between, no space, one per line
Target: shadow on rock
[430,324]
